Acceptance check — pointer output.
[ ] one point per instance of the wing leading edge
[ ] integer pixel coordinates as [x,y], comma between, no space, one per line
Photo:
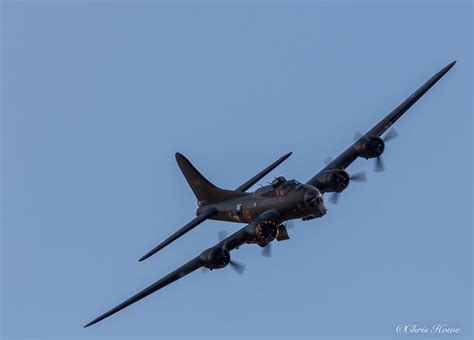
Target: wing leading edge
[350,154]
[232,242]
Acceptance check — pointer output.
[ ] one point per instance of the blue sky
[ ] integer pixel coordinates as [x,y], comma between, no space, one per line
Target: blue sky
[98,96]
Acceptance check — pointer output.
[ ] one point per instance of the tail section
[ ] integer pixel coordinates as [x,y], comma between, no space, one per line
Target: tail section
[205,191]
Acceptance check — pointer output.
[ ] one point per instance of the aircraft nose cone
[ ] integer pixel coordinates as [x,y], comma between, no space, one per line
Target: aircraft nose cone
[321,210]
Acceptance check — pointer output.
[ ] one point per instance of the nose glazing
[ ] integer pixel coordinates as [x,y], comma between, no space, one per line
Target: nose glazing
[319,205]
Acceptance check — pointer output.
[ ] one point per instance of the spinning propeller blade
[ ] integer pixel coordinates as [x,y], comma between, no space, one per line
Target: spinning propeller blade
[391,134]
[357,135]
[328,160]
[334,198]
[267,250]
[379,164]
[357,177]
[237,266]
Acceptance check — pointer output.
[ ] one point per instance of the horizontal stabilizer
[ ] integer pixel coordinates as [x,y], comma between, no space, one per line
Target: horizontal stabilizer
[262,173]
[195,222]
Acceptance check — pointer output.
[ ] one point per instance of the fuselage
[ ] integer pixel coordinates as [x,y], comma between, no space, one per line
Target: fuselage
[292,199]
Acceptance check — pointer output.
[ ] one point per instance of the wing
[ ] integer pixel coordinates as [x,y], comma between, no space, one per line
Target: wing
[356,149]
[170,278]
[245,235]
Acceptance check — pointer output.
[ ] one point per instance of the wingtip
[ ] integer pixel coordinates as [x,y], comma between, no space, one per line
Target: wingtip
[154,251]
[449,66]
[147,255]
[89,324]
[96,320]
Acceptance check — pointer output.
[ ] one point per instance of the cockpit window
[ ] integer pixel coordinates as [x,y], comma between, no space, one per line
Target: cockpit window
[288,186]
[283,186]
[278,181]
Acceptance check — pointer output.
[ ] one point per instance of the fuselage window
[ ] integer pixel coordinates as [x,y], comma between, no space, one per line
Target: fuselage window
[238,210]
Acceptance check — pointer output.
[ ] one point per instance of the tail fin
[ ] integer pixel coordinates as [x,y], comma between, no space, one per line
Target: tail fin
[205,191]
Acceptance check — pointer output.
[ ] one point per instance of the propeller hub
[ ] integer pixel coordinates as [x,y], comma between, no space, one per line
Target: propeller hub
[215,258]
[341,180]
[334,180]
[376,146]
[370,147]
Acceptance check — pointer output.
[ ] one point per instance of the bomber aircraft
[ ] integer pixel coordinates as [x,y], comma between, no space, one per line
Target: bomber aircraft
[267,209]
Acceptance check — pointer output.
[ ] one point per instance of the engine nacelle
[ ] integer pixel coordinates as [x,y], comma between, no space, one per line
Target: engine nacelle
[266,232]
[370,147]
[215,258]
[332,180]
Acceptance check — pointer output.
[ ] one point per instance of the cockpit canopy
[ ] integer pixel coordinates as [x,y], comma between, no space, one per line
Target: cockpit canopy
[289,185]
[283,185]
[279,186]
[278,181]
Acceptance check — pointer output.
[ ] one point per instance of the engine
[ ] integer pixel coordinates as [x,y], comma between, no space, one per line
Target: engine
[266,232]
[215,258]
[370,147]
[332,180]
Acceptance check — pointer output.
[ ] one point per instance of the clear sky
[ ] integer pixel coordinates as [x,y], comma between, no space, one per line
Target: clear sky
[98,96]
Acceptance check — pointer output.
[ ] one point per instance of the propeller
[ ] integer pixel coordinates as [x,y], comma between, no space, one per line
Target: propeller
[267,250]
[379,164]
[238,267]
[327,160]
[334,198]
[357,135]
[357,177]
[390,135]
